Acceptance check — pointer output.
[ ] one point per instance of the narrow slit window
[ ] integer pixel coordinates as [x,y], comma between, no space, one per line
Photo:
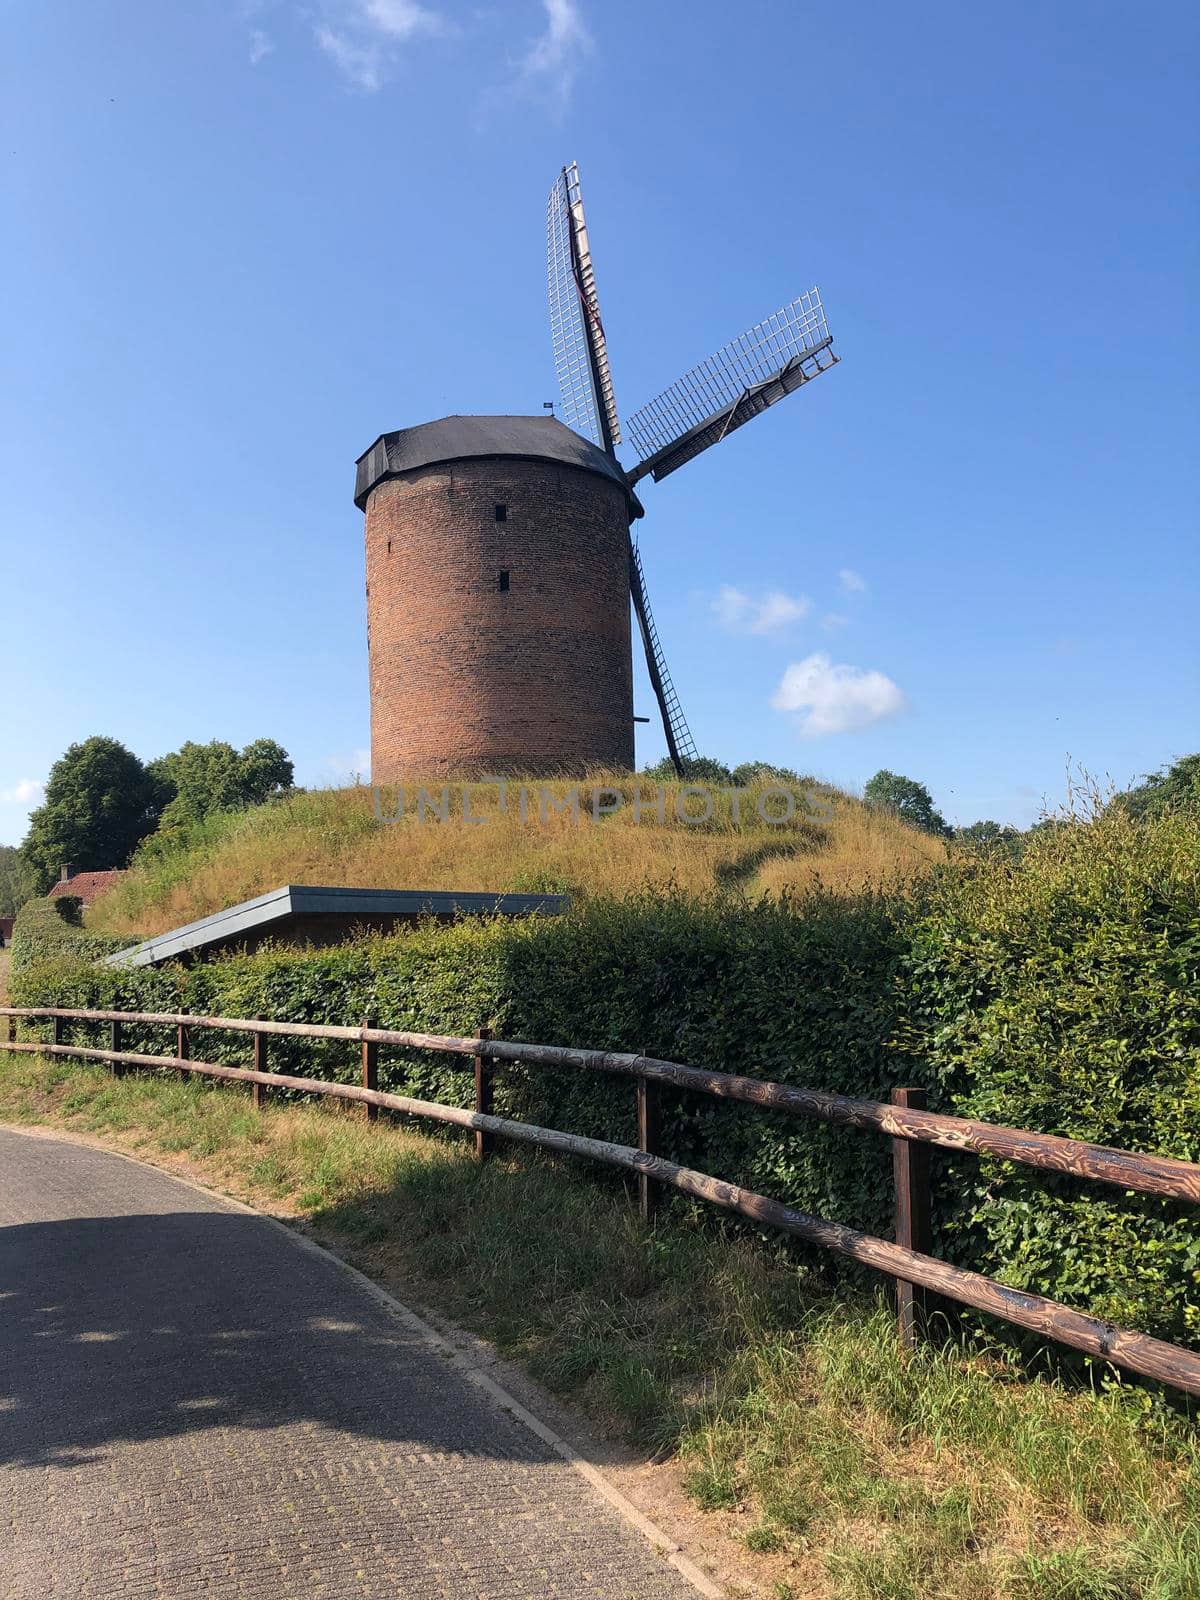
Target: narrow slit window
[502,585]
[501,512]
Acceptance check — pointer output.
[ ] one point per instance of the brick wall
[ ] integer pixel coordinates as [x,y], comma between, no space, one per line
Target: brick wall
[467,676]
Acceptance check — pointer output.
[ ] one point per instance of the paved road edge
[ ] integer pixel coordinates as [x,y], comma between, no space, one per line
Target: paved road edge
[459,1359]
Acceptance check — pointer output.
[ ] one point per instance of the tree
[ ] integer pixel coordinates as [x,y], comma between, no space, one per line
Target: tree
[750,772]
[198,779]
[17,882]
[986,832]
[100,803]
[990,837]
[266,771]
[907,799]
[1175,789]
[696,769]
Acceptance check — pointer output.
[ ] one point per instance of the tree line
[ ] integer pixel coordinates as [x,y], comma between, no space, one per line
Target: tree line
[1175,787]
[101,801]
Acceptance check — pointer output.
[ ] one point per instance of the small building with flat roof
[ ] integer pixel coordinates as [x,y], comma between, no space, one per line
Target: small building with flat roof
[302,914]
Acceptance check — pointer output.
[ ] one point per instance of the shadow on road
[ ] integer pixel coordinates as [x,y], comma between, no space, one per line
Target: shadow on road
[140,1327]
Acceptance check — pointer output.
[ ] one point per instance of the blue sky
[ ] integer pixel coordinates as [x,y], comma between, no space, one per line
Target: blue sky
[243,239]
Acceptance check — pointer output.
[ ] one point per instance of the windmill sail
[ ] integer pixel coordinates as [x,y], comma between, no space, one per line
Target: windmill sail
[580,349]
[755,370]
[679,737]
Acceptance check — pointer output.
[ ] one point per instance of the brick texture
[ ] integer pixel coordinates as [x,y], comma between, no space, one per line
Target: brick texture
[469,677]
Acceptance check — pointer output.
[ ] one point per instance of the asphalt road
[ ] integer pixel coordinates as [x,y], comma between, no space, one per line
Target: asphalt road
[195,1406]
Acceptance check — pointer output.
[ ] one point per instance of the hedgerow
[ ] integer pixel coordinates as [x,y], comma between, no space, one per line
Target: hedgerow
[761,989]
[1058,992]
[1061,992]
[47,929]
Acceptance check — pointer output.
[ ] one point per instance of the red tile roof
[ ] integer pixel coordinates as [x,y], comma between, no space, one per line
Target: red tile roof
[86,886]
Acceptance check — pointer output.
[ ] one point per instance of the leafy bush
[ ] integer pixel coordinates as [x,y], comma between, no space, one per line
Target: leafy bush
[1060,992]
[1175,789]
[756,989]
[46,930]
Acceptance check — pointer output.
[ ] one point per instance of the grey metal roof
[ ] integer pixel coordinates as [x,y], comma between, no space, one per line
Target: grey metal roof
[461,438]
[305,900]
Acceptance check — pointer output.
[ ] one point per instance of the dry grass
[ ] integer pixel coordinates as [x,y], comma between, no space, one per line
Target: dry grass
[333,837]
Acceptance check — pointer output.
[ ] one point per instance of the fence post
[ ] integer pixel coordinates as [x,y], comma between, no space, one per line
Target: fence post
[183,1043]
[60,1028]
[260,1065]
[910,1168]
[648,1141]
[12,1030]
[370,1071]
[116,1045]
[485,1143]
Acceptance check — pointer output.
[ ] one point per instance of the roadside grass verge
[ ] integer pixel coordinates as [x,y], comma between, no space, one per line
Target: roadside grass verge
[845,1470]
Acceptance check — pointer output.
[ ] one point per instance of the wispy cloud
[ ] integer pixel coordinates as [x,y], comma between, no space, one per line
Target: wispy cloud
[774,612]
[826,698]
[549,64]
[852,582]
[260,46]
[400,19]
[363,38]
[346,766]
[563,38]
[25,792]
[833,620]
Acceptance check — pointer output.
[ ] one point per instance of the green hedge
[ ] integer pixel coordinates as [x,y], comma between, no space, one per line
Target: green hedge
[759,990]
[46,929]
[1058,992]
[1061,992]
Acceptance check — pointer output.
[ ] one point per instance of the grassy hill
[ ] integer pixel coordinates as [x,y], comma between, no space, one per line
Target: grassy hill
[333,837]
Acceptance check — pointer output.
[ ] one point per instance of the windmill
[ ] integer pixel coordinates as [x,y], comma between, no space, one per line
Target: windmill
[769,361]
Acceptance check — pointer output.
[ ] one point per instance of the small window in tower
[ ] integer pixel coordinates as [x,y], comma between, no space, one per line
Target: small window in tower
[503,584]
[501,513]
[389,547]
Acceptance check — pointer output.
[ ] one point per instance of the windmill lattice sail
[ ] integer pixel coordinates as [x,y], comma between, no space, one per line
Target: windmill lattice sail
[580,348]
[752,372]
[680,744]
[755,370]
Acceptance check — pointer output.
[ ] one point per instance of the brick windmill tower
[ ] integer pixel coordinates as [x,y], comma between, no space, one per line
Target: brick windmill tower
[500,564]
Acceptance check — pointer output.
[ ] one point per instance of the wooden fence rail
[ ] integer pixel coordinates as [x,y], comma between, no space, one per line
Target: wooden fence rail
[907,1261]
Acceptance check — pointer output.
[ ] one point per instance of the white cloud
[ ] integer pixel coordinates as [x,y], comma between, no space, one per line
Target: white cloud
[362,37]
[365,39]
[564,33]
[833,620]
[851,581]
[552,60]
[361,63]
[400,19]
[738,612]
[25,792]
[835,699]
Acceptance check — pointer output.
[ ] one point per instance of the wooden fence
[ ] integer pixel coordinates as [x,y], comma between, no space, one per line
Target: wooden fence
[905,1121]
